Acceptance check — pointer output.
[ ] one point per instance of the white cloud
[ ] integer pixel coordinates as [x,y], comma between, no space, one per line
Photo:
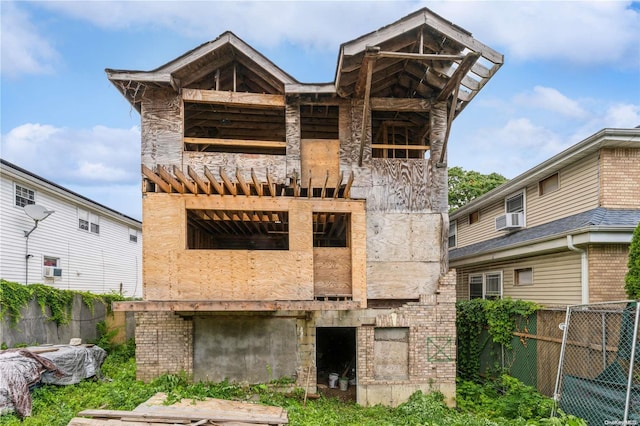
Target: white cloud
[577,32]
[550,99]
[24,49]
[89,157]
[99,163]
[509,150]
[315,25]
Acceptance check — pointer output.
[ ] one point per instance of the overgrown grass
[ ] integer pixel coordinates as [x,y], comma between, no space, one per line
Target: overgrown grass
[508,402]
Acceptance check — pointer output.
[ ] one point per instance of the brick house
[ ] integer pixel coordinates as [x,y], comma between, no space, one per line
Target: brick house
[557,234]
[298,230]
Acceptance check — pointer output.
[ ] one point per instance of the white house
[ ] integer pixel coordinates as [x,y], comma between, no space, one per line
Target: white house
[82,245]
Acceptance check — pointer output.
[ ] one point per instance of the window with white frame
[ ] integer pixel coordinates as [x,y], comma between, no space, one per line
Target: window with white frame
[514,203]
[453,233]
[24,195]
[486,285]
[88,221]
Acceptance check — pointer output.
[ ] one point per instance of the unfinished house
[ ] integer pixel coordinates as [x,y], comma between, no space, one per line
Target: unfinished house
[300,230]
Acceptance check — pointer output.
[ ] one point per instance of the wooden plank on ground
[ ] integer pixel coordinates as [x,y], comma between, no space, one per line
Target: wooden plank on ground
[189,414]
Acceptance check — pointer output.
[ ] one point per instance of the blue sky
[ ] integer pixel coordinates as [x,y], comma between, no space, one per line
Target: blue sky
[571,69]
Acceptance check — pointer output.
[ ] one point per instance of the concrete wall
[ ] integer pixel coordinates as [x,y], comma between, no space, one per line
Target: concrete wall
[34,328]
[255,349]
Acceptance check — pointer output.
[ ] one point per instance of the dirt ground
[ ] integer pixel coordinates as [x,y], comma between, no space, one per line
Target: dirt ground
[346,396]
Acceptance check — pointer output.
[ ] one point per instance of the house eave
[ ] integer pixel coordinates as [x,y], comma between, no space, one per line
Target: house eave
[554,243]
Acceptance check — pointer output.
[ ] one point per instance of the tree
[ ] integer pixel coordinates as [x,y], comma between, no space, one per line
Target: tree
[632,278]
[464,185]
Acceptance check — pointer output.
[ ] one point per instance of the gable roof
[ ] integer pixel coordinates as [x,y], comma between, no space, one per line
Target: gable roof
[599,219]
[204,63]
[605,138]
[421,56]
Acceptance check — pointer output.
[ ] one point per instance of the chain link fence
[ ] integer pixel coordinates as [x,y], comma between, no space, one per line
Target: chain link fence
[598,378]
[594,374]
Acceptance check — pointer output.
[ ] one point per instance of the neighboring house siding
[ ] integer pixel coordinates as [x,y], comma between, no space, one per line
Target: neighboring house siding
[482,230]
[556,279]
[620,186]
[100,263]
[577,192]
[607,268]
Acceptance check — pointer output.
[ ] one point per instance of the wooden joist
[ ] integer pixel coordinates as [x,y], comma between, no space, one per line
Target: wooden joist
[176,181]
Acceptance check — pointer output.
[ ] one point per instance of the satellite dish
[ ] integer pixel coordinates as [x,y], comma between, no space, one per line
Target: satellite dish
[37,212]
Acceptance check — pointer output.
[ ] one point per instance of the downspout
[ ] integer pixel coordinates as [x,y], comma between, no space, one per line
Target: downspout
[584,269]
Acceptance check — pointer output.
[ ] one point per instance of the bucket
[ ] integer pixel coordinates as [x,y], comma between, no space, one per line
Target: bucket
[344,383]
[333,380]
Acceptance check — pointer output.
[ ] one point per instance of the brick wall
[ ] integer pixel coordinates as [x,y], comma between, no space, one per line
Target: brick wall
[607,268]
[164,344]
[619,178]
[432,340]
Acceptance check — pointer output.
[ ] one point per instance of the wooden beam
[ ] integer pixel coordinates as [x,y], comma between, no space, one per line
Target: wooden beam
[246,189]
[324,186]
[337,190]
[213,181]
[419,56]
[347,188]
[407,147]
[365,112]
[368,62]
[271,184]
[455,79]
[400,104]
[187,306]
[236,142]
[256,100]
[227,182]
[201,184]
[192,186]
[153,177]
[168,177]
[257,184]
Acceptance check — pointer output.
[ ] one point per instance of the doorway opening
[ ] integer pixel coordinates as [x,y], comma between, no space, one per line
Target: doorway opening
[336,361]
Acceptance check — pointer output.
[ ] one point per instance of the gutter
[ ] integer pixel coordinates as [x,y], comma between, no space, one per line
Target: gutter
[584,269]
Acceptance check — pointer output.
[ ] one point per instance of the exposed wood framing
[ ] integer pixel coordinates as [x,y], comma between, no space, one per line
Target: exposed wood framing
[233,98]
[194,183]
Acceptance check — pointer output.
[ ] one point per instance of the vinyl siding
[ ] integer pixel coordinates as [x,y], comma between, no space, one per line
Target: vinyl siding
[98,263]
[578,192]
[556,279]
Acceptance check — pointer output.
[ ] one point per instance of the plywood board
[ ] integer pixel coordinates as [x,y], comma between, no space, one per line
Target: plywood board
[319,157]
[332,271]
[401,280]
[399,237]
[161,119]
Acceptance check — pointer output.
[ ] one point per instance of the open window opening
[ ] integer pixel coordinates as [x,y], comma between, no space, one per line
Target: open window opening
[319,122]
[331,229]
[398,135]
[237,230]
[336,359]
[211,127]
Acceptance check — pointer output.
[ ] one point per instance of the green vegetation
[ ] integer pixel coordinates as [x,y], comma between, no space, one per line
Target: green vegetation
[503,402]
[465,185]
[16,296]
[499,317]
[632,278]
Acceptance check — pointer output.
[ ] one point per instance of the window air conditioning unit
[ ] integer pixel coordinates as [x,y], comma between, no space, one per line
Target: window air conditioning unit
[51,272]
[510,221]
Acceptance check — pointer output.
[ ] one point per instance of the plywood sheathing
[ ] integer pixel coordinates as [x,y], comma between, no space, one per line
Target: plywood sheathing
[173,272]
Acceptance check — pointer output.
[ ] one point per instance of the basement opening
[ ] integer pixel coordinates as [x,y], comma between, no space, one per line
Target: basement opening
[336,355]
